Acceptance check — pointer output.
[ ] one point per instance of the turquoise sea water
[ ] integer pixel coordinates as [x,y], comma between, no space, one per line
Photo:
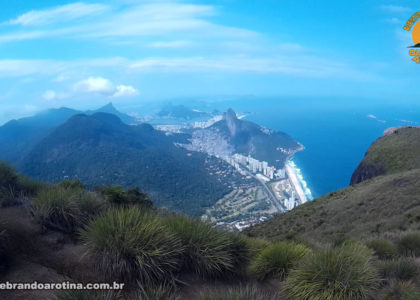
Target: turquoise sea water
[335,133]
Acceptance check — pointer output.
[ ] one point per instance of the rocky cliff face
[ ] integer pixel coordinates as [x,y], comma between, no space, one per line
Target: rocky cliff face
[365,172]
[231,121]
[397,150]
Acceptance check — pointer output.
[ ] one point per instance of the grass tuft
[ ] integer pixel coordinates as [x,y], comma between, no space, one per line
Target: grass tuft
[54,208]
[402,268]
[409,244]
[343,273]
[383,248]
[276,260]
[65,208]
[131,244]
[400,290]
[208,252]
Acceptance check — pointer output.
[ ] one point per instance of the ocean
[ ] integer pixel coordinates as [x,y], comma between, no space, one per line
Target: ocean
[335,132]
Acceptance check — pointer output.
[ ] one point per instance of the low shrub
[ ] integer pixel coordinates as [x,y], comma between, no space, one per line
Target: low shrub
[343,273]
[55,208]
[208,252]
[409,244]
[15,187]
[88,203]
[240,253]
[400,290]
[256,245]
[383,248]
[248,292]
[116,195]
[130,244]
[402,268]
[72,184]
[65,208]
[276,260]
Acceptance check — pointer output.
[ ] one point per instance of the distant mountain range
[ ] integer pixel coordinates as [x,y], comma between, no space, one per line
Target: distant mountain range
[17,136]
[100,149]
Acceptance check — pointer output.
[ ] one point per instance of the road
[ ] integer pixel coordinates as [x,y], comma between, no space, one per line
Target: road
[271,196]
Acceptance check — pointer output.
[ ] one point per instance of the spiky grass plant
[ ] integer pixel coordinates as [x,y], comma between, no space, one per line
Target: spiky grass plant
[383,248]
[208,252]
[55,208]
[343,273]
[130,244]
[88,203]
[276,260]
[403,268]
[400,290]
[409,244]
[256,245]
[247,292]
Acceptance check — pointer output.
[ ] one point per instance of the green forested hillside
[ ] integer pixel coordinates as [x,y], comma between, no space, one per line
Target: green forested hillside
[100,149]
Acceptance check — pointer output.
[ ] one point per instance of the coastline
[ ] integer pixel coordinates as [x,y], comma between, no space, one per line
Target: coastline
[300,185]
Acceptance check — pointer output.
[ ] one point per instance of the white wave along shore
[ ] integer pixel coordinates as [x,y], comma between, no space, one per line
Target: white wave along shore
[303,183]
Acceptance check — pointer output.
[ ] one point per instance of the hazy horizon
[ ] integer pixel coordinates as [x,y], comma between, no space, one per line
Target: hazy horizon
[133,53]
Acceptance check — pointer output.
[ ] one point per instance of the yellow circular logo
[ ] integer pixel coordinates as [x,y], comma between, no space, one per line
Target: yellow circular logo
[416,34]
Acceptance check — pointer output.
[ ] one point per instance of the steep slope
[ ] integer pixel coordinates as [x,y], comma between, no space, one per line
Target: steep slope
[384,204]
[397,150]
[100,149]
[16,136]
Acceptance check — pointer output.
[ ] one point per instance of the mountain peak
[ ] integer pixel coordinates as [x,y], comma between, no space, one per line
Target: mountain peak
[230,115]
[107,108]
[231,120]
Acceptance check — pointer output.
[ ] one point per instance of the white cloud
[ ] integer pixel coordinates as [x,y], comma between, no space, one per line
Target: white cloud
[49,95]
[103,86]
[299,65]
[156,19]
[98,85]
[125,91]
[396,9]
[57,14]
[371,116]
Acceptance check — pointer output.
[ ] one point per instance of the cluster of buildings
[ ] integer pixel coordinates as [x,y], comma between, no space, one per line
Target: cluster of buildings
[240,225]
[255,166]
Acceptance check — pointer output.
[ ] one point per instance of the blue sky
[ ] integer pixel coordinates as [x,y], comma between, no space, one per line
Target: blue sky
[85,54]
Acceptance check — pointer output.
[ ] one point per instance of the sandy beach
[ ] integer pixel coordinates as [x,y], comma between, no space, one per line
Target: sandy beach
[295,182]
